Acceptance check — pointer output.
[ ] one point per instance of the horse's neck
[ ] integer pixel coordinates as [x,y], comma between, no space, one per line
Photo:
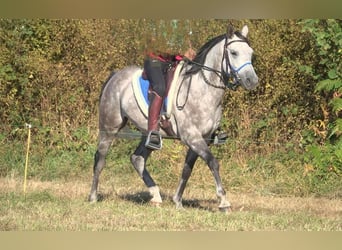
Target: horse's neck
[214,61]
[214,57]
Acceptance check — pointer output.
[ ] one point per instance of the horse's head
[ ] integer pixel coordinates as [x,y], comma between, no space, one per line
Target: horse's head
[238,56]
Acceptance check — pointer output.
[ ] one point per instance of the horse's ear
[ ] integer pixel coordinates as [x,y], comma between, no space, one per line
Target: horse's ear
[244,31]
[230,31]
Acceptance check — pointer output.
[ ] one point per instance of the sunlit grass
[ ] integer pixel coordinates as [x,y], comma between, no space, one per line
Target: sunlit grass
[267,192]
[62,206]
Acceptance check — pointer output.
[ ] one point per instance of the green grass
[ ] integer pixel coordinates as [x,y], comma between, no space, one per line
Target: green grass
[267,192]
[51,206]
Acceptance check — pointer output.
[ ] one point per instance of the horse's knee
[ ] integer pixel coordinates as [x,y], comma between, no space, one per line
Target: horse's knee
[138,163]
[99,162]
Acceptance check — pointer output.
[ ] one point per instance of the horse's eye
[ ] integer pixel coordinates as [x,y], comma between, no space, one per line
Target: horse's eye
[234,53]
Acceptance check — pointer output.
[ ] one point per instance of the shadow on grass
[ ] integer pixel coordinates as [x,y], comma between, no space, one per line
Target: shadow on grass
[145,197]
[138,198]
[207,205]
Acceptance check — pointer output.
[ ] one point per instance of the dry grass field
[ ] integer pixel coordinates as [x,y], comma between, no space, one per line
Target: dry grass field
[62,206]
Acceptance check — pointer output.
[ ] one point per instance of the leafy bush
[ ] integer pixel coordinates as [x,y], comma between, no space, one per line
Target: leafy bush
[327,157]
[51,73]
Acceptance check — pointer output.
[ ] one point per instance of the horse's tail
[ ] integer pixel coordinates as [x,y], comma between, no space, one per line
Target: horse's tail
[106,82]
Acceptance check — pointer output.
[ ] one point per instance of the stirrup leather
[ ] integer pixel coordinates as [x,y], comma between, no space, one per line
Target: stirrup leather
[151,144]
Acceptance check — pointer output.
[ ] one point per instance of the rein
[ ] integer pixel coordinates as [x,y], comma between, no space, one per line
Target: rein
[230,80]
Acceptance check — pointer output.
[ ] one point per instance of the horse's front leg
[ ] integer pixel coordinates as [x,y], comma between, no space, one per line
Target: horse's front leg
[138,159]
[214,167]
[190,160]
[202,149]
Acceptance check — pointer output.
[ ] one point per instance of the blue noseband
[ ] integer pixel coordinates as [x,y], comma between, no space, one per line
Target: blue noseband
[241,67]
[231,80]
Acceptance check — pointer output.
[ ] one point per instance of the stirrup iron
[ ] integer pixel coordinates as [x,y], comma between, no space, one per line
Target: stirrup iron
[151,144]
[220,138]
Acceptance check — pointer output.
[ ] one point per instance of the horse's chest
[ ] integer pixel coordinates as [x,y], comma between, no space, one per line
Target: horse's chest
[204,117]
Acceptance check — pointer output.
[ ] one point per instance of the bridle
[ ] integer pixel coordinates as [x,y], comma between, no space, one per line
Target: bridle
[230,80]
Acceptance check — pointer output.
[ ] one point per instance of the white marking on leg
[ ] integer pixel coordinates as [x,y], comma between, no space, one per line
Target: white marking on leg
[156,198]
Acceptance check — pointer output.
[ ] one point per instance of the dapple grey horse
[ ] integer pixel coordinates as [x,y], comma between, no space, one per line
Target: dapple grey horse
[224,61]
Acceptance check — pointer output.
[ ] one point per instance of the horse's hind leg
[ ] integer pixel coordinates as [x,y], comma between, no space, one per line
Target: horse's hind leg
[138,159]
[99,162]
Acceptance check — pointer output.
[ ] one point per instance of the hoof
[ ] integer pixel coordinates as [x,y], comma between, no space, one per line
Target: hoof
[226,210]
[155,204]
[179,206]
[92,199]
[95,198]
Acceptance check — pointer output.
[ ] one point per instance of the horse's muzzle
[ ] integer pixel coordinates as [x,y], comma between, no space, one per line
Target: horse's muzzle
[249,82]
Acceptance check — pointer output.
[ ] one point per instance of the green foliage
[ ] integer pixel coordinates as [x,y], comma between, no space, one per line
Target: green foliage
[327,158]
[329,85]
[327,35]
[51,73]
[324,165]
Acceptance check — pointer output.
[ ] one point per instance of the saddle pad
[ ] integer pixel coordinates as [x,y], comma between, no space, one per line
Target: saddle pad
[140,90]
